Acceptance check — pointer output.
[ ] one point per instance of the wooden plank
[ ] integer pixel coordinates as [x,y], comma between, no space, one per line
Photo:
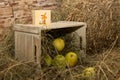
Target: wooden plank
[20,46]
[29,52]
[17,43]
[64,24]
[82,33]
[37,50]
[27,28]
[56,25]
[25,44]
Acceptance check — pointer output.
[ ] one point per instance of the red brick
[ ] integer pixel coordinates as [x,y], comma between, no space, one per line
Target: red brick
[21,11]
[2,0]
[1,31]
[6,12]
[2,4]
[2,21]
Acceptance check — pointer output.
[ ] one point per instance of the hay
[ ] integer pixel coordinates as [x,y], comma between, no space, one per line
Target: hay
[7,45]
[106,65]
[10,69]
[101,16]
[103,33]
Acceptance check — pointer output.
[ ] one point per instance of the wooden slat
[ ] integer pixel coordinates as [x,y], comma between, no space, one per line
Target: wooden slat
[29,47]
[37,43]
[82,33]
[24,46]
[56,25]
[20,45]
[27,28]
[64,24]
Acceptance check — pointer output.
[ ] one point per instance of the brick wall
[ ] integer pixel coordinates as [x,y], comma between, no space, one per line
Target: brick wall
[19,11]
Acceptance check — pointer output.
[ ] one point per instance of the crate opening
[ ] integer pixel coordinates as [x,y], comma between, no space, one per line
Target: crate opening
[73,43]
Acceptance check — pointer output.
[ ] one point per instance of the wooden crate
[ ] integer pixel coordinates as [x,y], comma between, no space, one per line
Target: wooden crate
[28,38]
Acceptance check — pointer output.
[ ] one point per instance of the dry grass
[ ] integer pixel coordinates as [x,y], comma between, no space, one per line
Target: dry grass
[102,36]
[7,45]
[106,65]
[101,16]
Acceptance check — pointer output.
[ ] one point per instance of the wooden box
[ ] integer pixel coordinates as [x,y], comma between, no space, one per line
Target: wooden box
[28,38]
